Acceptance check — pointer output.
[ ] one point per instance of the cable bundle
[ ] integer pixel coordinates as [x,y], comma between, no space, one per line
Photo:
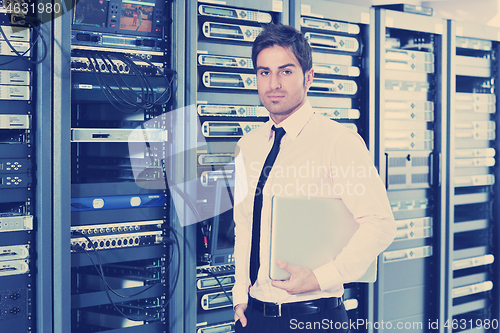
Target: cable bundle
[117,86]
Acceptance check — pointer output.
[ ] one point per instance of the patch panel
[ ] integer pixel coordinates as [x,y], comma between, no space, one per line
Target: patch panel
[219,269]
[85,64]
[112,228]
[117,241]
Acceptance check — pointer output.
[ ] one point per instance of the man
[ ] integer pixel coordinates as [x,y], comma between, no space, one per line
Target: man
[299,153]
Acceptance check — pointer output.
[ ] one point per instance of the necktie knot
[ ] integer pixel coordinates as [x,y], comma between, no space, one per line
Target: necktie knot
[279,132]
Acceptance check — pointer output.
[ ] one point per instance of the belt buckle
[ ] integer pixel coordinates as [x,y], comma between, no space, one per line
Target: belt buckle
[272,312]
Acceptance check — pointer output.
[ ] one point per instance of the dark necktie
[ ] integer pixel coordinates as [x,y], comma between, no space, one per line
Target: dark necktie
[257,203]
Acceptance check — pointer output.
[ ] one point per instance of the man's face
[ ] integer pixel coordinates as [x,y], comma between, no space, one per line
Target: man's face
[281,83]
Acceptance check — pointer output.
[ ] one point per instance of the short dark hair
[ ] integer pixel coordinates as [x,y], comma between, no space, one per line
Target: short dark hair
[285,36]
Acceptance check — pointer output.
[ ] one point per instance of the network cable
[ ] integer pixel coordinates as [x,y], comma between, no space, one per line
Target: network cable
[22,56]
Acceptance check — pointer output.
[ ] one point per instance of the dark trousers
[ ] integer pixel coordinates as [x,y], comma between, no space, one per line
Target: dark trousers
[331,320]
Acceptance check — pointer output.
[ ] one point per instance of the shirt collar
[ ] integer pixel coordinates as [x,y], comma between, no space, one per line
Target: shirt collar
[294,124]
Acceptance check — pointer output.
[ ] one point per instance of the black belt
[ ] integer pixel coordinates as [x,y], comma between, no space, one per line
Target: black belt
[294,309]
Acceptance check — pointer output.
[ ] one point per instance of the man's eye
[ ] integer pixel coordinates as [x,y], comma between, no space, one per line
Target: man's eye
[287,72]
[264,73]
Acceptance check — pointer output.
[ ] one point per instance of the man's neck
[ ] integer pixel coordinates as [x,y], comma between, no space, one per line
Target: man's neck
[278,118]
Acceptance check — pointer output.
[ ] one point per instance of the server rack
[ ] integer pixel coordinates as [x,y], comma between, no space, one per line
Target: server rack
[343,57]
[471,293]
[21,52]
[411,64]
[223,104]
[123,235]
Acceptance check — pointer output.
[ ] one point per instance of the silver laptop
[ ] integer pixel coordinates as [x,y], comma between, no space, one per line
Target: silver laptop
[310,232]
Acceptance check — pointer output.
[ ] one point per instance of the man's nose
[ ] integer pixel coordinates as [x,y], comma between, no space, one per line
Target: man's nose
[275,82]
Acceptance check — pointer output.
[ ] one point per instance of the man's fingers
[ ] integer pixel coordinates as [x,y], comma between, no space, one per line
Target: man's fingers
[243,321]
[241,317]
[284,265]
[279,284]
[239,314]
[302,279]
[285,285]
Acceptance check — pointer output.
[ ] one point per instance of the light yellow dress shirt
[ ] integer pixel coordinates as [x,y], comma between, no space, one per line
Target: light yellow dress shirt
[318,158]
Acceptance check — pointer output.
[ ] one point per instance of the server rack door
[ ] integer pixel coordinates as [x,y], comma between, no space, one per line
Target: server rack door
[329,26]
[222,105]
[44,191]
[472,299]
[61,175]
[411,66]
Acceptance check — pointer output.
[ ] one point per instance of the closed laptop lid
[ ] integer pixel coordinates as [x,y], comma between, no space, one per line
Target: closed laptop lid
[310,232]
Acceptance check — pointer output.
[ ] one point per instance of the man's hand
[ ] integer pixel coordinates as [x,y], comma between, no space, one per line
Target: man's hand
[301,281]
[239,313]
